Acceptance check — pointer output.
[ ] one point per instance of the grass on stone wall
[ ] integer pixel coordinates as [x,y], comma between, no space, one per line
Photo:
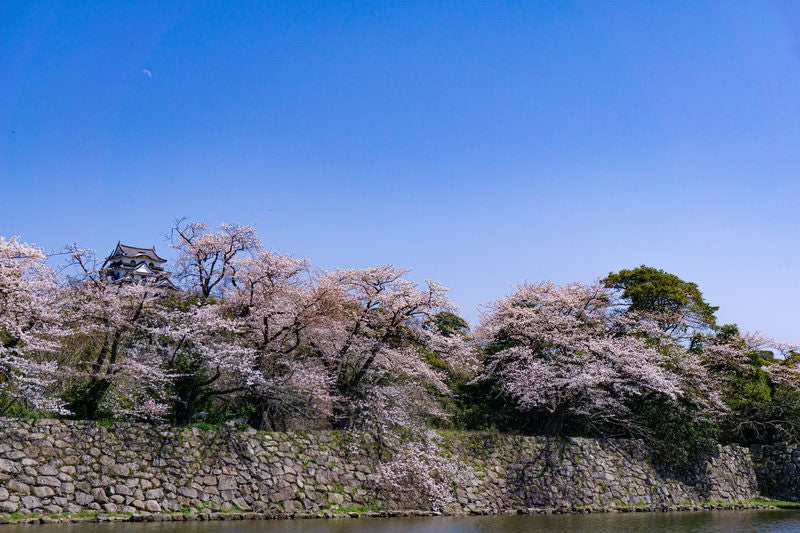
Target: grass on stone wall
[781,504]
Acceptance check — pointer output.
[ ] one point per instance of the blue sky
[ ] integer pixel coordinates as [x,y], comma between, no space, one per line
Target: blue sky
[481,144]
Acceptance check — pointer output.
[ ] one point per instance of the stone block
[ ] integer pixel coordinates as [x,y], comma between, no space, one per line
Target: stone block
[71,508]
[171,505]
[226,483]
[285,493]
[81,498]
[119,470]
[50,481]
[43,492]
[152,506]
[242,504]
[187,492]
[154,494]
[31,502]
[18,487]
[99,495]
[47,470]
[8,466]
[292,506]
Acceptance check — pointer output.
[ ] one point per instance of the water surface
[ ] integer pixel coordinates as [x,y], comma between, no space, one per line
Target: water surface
[778,521]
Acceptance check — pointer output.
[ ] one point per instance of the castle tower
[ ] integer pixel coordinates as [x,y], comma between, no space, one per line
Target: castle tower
[130,263]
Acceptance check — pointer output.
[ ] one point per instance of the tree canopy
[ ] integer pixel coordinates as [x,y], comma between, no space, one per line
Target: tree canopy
[678,304]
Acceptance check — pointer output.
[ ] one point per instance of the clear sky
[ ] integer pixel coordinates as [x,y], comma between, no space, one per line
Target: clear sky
[481,144]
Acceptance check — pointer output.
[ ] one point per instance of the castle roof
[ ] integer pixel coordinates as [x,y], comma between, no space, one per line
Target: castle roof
[143,270]
[130,252]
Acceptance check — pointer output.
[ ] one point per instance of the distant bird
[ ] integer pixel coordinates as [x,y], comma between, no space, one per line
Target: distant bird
[147,73]
[13,132]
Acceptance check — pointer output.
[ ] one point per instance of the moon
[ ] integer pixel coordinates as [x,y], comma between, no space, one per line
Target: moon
[147,73]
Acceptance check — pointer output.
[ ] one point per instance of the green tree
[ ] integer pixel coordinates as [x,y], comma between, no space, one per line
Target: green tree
[678,305]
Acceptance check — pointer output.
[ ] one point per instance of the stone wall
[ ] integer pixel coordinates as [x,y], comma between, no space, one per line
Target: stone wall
[778,471]
[53,467]
[538,472]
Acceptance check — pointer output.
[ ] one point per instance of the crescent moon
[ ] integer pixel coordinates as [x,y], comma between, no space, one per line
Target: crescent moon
[147,73]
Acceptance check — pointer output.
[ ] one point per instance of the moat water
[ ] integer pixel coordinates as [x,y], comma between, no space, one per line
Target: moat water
[704,522]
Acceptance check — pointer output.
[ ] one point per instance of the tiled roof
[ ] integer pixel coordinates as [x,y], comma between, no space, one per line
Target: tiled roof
[123,250]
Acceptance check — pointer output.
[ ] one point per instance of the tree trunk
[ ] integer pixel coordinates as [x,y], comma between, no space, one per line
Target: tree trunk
[86,401]
[555,422]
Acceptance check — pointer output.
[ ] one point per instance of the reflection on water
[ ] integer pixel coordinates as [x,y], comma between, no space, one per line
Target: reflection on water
[705,522]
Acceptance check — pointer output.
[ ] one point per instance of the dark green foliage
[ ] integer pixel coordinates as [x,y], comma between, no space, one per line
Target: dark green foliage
[7,340]
[727,333]
[190,387]
[761,411]
[450,324]
[84,400]
[679,434]
[482,406]
[652,290]
[433,360]
[10,407]
[85,394]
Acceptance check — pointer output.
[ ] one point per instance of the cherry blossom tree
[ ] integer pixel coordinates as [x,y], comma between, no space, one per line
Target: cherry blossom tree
[201,355]
[206,259]
[374,341]
[110,333]
[559,350]
[247,347]
[279,308]
[29,328]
